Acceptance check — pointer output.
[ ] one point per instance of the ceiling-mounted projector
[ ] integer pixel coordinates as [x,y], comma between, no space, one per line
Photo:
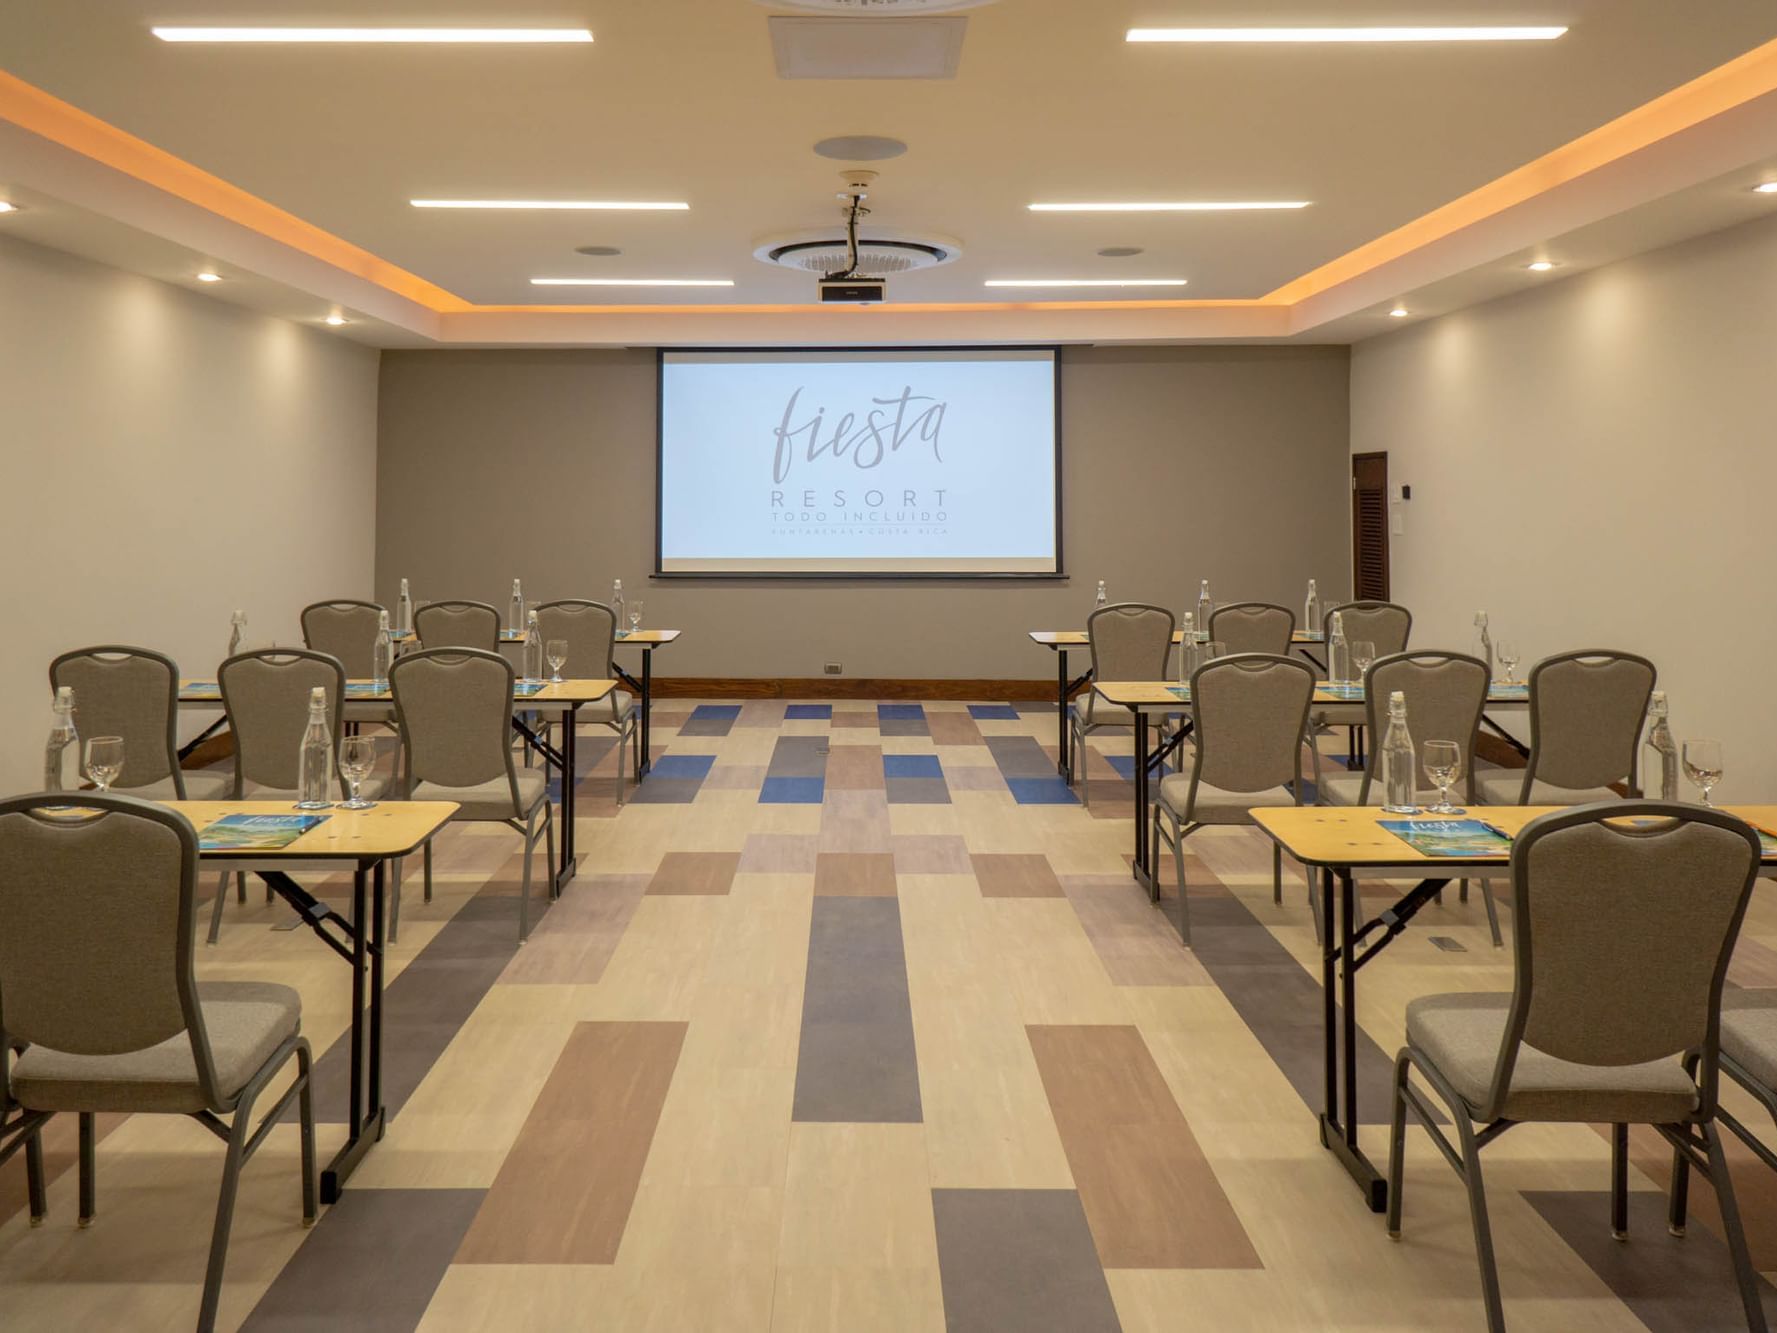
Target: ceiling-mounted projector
[857,290]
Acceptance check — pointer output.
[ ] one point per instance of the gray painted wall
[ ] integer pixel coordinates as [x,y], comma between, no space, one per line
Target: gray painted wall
[1180,463]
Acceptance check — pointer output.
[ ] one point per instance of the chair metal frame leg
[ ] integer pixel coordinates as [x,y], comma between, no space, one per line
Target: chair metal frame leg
[1492,912]
[24,1134]
[620,758]
[549,849]
[1176,839]
[89,1183]
[1744,1274]
[216,909]
[1277,874]
[1619,1182]
[428,870]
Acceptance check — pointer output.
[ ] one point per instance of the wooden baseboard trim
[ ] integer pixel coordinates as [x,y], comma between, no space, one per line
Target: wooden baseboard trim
[861,687]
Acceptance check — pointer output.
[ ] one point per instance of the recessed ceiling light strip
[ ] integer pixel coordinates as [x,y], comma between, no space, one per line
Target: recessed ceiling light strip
[1084,282]
[632,282]
[466,36]
[1183,207]
[597,205]
[1347,34]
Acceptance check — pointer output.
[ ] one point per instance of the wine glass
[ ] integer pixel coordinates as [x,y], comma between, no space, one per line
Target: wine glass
[1443,765]
[1507,653]
[635,616]
[1702,765]
[1363,652]
[556,650]
[357,756]
[104,760]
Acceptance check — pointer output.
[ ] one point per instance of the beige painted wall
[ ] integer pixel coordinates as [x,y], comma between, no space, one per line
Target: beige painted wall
[1593,463]
[166,458]
[1180,464]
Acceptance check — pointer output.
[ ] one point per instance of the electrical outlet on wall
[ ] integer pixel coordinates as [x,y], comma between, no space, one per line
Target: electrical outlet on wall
[834,669]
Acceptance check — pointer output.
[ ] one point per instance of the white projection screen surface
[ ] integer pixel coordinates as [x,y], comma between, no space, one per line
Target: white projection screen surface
[859,463]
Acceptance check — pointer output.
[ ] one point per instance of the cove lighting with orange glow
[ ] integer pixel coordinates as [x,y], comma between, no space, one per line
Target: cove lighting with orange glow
[1344,34]
[448,36]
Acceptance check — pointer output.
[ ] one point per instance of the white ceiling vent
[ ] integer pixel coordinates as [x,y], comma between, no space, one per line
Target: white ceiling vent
[881,253]
[867,48]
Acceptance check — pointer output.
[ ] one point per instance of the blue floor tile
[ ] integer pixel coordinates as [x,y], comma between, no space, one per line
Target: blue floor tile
[716,710]
[993,712]
[808,712]
[1041,791]
[682,766]
[911,766]
[793,791]
[1125,766]
[901,712]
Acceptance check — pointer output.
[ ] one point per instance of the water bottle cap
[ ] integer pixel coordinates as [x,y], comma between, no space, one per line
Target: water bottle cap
[1397,697]
[65,694]
[1310,583]
[318,695]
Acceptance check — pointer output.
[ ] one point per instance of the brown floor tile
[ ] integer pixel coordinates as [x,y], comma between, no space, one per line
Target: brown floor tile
[564,1192]
[854,875]
[1148,1190]
[854,768]
[708,873]
[1015,875]
[854,720]
[954,729]
[579,934]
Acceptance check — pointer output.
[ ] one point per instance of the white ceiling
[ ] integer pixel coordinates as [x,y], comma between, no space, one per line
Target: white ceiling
[679,99]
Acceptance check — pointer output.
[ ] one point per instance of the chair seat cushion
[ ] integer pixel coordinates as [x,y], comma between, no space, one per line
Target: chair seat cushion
[1097,713]
[489,800]
[201,784]
[246,1022]
[371,789]
[614,708]
[1504,789]
[1213,804]
[1459,1036]
[1749,1032]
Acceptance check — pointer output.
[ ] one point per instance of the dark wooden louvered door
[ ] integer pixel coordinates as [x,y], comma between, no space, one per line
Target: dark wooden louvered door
[1369,527]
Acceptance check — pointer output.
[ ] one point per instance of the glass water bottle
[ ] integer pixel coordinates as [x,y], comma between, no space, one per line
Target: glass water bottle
[515,615]
[617,608]
[1187,648]
[237,633]
[533,650]
[1204,606]
[1338,652]
[1484,642]
[404,611]
[1099,599]
[314,781]
[61,756]
[1395,763]
[1311,610]
[382,653]
[1662,751]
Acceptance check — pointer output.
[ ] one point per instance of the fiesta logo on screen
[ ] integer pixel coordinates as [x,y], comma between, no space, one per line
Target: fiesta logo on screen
[907,418]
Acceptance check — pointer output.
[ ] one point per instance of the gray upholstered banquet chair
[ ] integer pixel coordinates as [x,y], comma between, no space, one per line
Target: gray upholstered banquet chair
[455,712]
[96,915]
[266,696]
[134,693]
[1621,936]
[1445,694]
[1749,1057]
[1252,627]
[1248,715]
[347,629]
[1129,641]
[1384,625]
[1586,713]
[18,1131]
[590,631]
[458,625]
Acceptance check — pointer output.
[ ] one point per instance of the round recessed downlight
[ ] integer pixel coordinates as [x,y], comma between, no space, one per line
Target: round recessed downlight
[1769,187]
[334,320]
[1120,252]
[597,251]
[1540,265]
[860,148]
[1399,312]
[6,207]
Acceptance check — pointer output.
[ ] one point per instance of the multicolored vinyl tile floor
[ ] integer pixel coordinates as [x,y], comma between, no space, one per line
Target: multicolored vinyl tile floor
[855,1020]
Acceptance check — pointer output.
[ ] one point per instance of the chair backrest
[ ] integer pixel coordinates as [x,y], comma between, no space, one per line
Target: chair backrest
[344,629]
[454,709]
[266,696]
[127,692]
[1586,712]
[1252,627]
[96,924]
[1130,641]
[1249,713]
[590,630]
[458,625]
[1445,695]
[1385,624]
[1622,935]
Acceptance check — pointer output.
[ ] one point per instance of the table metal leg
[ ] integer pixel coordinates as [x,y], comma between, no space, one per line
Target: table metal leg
[1064,736]
[1143,871]
[570,775]
[647,708]
[356,1139]
[1348,1004]
[1329,953]
[378,948]
[1338,1124]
